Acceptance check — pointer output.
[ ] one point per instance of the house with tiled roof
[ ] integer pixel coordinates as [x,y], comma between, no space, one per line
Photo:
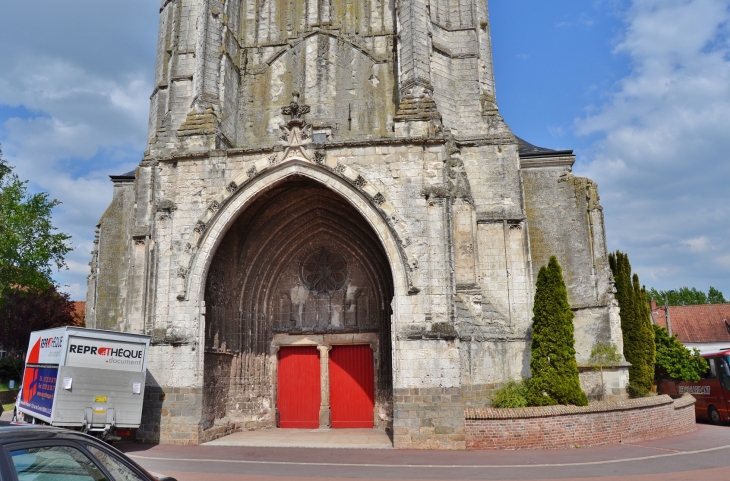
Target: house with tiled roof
[704,326]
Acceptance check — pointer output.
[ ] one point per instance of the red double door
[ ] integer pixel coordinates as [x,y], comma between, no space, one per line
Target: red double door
[351,387]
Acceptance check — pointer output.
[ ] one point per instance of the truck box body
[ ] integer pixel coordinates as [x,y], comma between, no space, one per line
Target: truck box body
[76,377]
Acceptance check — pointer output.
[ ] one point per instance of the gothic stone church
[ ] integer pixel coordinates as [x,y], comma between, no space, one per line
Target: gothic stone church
[333,226]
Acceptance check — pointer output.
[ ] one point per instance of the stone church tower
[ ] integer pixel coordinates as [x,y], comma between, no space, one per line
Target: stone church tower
[333,225]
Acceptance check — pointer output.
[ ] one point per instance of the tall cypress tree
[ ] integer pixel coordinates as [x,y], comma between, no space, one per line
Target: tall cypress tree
[553,365]
[638,333]
[647,326]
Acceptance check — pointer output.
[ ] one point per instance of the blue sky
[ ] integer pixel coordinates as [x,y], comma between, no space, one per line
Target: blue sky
[639,88]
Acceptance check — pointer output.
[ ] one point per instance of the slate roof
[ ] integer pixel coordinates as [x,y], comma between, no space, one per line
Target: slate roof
[128,177]
[527,149]
[702,323]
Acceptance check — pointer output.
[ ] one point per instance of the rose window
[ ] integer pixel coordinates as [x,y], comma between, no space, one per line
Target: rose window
[324,271]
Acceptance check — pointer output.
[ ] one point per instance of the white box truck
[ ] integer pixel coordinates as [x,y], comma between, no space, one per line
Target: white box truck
[85,379]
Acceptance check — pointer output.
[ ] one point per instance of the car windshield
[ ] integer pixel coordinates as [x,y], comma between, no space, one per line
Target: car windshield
[54,463]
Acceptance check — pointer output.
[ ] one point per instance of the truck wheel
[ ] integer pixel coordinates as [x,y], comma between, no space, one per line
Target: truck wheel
[714,415]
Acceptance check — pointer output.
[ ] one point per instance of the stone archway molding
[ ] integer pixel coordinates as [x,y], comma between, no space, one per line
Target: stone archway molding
[210,228]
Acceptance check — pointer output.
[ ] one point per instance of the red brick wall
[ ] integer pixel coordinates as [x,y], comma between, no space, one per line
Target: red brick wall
[572,426]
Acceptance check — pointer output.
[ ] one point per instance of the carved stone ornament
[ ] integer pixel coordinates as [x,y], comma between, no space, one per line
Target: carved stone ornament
[324,271]
[319,156]
[296,134]
[458,182]
[294,109]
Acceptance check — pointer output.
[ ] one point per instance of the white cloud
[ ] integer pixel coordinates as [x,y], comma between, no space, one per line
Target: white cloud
[663,158]
[698,244]
[87,82]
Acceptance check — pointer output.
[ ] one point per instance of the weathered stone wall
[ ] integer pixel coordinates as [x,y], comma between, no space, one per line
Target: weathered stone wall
[566,220]
[171,415]
[173,396]
[563,427]
[107,284]
[429,418]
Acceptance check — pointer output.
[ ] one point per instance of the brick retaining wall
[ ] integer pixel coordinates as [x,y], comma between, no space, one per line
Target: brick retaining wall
[573,426]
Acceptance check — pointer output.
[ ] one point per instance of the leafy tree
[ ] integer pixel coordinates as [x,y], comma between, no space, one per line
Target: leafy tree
[715,297]
[553,365]
[686,296]
[674,361]
[638,334]
[29,243]
[24,310]
[604,354]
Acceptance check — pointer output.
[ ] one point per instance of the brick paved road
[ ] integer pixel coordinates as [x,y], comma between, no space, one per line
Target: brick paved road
[704,454]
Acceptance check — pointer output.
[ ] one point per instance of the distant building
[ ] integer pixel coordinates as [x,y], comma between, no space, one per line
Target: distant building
[704,326]
[79,313]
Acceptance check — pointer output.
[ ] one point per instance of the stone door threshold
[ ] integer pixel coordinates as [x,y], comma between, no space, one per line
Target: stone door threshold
[308,438]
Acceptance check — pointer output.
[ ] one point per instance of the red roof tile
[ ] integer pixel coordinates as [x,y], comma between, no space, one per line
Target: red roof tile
[79,307]
[703,323]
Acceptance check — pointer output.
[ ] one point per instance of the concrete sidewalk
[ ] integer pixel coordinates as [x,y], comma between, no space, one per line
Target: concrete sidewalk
[308,438]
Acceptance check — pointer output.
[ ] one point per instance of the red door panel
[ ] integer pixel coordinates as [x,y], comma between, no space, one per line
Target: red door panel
[352,386]
[298,397]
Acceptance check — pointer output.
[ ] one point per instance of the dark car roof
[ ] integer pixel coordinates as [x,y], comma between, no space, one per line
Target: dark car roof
[21,433]
[16,433]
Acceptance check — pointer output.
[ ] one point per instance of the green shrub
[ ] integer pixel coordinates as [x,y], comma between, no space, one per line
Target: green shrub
[511,395]
[674,361]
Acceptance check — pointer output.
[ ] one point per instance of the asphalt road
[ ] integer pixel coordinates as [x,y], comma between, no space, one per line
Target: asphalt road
[704,453]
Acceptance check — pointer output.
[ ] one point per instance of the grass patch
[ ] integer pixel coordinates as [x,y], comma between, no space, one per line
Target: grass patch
[8,407]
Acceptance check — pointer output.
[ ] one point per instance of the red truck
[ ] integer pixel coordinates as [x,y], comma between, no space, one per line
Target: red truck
[712,391]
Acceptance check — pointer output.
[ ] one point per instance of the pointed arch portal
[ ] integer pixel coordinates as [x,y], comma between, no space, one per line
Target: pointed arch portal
[299,266]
